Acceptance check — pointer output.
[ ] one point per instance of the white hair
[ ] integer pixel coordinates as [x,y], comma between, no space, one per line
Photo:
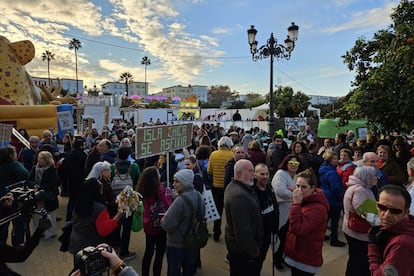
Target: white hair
[97,169]
[225,142]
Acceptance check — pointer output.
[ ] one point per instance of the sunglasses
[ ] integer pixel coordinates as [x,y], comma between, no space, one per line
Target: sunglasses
[394,211]
[294,163]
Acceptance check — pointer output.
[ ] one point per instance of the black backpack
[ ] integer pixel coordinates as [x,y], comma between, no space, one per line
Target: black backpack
[158,210]
[196,236]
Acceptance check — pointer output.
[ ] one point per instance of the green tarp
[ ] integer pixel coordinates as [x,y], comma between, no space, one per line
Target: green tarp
[327,128]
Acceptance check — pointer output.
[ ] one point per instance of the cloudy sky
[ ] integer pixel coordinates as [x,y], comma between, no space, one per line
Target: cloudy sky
[198,42]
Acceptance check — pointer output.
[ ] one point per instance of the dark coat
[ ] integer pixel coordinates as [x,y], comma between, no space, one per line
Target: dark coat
[49,184]
[244,228]
[11,173]
[73,168]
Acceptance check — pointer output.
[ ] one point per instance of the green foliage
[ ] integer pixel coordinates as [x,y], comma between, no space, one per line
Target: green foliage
[217,94]
[334,110]
[237,104]
[157,104]
[209,105]
[254,99]
[126,77]
[383,89]
[256,102]
[126,102]
[287,103]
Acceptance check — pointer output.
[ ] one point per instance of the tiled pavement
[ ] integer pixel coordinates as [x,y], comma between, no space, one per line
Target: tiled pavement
[48,260]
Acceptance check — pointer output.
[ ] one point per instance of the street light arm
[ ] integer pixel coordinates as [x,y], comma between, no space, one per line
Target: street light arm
[272,48]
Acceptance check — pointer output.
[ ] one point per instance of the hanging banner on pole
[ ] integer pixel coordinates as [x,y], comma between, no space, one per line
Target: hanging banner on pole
[154,140]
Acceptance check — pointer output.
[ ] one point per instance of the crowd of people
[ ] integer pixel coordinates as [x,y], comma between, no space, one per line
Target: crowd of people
[288,193]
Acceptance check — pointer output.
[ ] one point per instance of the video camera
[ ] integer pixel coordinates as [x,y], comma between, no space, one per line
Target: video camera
[90,262]
[24,198]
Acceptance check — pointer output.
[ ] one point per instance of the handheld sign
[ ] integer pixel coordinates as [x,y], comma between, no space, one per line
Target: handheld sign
[156,139]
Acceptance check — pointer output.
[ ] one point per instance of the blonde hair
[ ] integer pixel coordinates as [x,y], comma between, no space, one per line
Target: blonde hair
[47,156]
[329,155]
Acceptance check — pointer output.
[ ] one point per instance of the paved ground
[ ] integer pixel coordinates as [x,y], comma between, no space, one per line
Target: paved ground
[48,260]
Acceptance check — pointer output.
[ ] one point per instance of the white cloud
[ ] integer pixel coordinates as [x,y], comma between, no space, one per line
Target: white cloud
[329,72]
[371,19]
[153,26]
[343,3]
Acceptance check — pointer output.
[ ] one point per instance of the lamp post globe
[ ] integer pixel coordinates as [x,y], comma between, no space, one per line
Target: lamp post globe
[272,50]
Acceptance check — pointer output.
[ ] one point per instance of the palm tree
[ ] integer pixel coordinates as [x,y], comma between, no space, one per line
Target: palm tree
[145,61]
[49,56]
[75,44]
[127,77]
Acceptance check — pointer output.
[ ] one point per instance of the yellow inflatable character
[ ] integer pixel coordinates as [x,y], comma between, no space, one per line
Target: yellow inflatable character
[16,86]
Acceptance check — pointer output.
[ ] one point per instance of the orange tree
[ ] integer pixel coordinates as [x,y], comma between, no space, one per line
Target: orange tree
[288,103]
[383,89]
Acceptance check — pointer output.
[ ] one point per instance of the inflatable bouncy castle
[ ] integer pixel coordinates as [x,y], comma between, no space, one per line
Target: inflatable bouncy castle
[20,99]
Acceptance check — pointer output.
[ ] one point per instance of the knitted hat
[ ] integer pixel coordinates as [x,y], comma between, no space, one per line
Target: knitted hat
[130,132]
[185,177]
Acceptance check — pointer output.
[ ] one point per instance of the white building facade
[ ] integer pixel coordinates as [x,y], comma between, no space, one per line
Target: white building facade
[184,91]
[119,88]
[319,100]
[67,84]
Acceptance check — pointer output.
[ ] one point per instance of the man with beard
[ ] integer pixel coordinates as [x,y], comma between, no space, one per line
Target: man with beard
[244,227]
[268,208]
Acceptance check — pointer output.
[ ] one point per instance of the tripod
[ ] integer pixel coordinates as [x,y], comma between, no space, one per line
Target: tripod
[42,212]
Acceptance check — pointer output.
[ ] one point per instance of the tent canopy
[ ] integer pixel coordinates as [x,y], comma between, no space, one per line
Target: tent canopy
[261,107]
[265,106]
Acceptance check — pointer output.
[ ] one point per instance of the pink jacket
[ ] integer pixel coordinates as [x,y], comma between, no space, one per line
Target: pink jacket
[361,192]
[147,210]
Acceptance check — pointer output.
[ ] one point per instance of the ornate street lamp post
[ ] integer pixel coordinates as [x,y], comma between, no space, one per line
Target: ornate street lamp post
[273,50]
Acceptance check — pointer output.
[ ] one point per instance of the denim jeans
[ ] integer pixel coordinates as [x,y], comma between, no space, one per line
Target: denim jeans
[178,258]
[334,215]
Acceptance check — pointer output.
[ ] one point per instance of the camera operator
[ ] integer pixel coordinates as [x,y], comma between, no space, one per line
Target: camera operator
[11,171]
[9,254]
[118,267]
[43,176]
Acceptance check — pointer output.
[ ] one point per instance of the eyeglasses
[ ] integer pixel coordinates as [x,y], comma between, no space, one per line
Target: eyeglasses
[294,163]
[394,211]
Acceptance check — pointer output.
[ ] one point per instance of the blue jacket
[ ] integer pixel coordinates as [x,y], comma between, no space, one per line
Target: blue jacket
[331,184]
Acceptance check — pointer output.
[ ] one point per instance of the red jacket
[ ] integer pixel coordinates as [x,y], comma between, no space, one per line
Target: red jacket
[345,169]
[307,225]
[257,156]
[398,252]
